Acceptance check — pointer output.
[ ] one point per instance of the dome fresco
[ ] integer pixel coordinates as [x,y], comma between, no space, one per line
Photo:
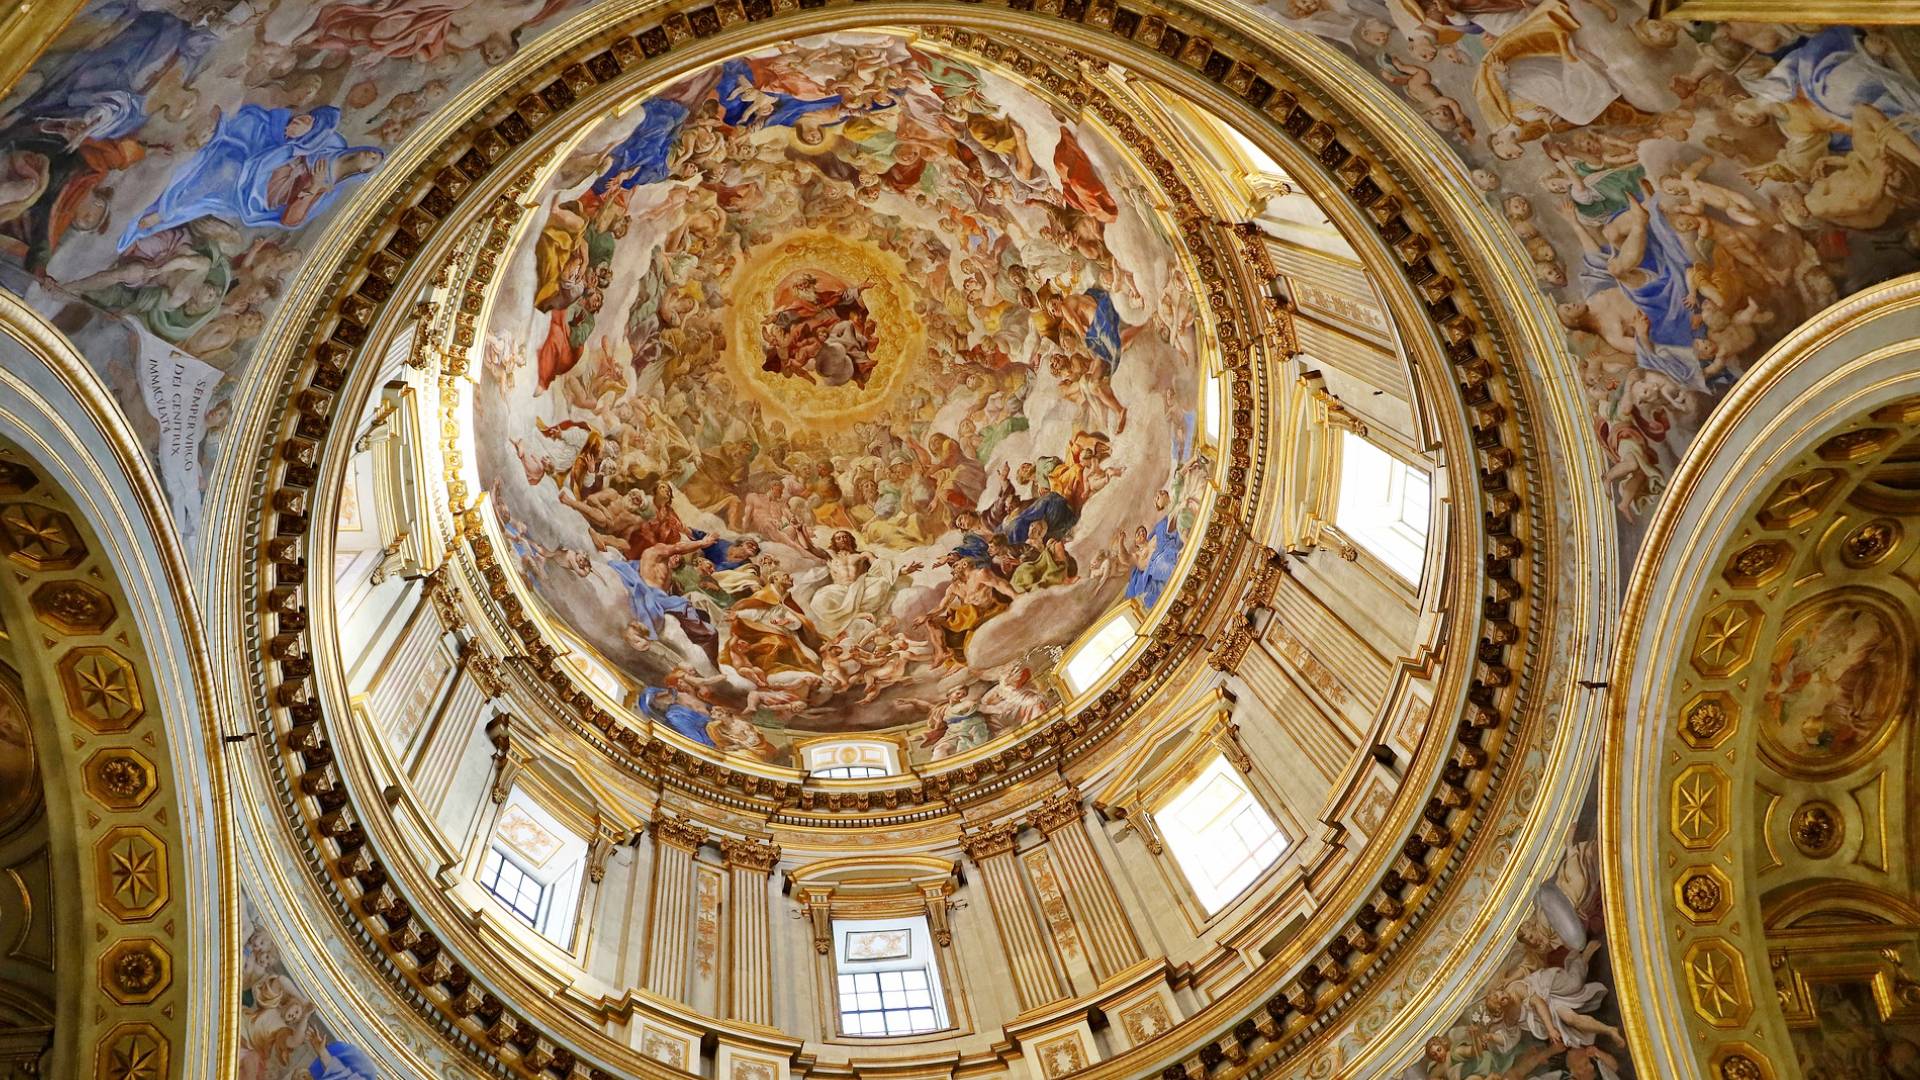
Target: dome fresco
[834,387]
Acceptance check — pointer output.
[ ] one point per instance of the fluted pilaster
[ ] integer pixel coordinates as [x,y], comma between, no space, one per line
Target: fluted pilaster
[1110,942]
[1035,978]
[750,948]
[670,937]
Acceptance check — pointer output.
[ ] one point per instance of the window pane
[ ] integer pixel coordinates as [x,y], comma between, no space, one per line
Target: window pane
[1220,835]
[1384,504]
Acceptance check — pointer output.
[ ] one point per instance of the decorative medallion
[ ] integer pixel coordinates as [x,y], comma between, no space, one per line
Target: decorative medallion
[1703,893]
[1799,498]
[1061,1057]
[40,537]
[1869,542]
[1839,673]
[72,607]
[133,1051]
[1699,811]
[1817,829]
[102,689]
[132,866]
[1717,980]
[120,778]
[1757,564]
[136,971]
[1708,719]
[1738,1061]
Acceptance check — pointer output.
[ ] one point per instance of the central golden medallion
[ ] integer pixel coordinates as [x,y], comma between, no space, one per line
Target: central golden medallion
[824,331]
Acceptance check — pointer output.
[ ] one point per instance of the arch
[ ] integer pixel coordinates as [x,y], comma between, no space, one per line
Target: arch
[116,679]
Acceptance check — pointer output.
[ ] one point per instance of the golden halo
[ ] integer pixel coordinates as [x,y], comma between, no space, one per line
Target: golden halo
[899,338]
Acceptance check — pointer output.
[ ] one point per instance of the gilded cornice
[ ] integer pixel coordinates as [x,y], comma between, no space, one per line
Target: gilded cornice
[1341,163]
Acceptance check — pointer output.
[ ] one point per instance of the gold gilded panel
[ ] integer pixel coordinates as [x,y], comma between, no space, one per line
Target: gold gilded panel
[1800,498]
[136,971]
[1758,564]
[1717,982]
[1709,719]
[73,607]
[102,689]
[1699,809]
[1726,639]
[1703,893]
[120,778]
[131,864]
[133,1051]
[40,537]
[1738,1061]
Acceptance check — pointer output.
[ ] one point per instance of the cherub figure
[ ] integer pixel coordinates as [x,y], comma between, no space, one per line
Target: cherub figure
[1699,195]
[1443,113]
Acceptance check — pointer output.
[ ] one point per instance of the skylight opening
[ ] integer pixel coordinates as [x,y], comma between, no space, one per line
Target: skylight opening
[1385,505]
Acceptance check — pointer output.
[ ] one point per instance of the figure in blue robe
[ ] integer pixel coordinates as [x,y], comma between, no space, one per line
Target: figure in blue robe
[642,157]
[736,79]
[720,552]
[1835,75]
[651,607]
[103,88]
[973,548]
[236,177]
[686,720]
[1149,583]
[1661,296]
[342,1061]
[1103,332]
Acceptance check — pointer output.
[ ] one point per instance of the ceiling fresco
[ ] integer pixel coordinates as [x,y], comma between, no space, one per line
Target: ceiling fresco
[1686,192]
[831,385]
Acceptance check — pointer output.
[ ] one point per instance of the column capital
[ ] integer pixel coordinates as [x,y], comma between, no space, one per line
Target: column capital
[1056,812]
[990,841]
[749,854]
[678,832]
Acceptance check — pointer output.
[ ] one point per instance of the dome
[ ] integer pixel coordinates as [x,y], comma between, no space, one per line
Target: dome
[843,383]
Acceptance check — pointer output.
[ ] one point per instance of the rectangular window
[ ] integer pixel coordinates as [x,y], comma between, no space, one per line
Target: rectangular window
[1219,833]
[534,868]
[516,889]
[1384,505]
[886,978]
[850,772]
[1100,652]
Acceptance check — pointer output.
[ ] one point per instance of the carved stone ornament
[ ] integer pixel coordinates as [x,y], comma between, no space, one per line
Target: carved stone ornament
[1056,813]
[750,854]
[40,537]
[1817,829]
[990,841]
[678,832]
[73,607]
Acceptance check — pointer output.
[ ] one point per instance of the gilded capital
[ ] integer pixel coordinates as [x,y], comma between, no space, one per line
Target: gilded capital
[1056,813]
[990,841]
[750,854]
[680,833]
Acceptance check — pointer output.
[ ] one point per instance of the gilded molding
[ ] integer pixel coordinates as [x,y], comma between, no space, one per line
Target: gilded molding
[679,833]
